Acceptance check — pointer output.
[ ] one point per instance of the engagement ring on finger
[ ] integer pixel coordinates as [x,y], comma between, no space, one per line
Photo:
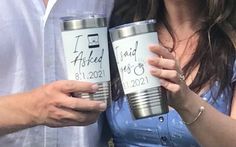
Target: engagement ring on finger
[181,77]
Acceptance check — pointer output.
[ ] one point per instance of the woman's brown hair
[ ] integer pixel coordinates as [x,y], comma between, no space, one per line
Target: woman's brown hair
[215,52]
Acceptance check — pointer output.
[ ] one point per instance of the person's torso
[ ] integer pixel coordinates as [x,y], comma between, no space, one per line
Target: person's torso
[163,130]
[32,55]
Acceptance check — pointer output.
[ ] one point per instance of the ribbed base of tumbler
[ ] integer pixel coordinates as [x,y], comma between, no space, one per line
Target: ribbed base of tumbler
[148,102]
[103,93]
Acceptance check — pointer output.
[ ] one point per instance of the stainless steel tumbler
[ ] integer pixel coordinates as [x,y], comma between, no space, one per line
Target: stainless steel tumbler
[130,44]
[86,53]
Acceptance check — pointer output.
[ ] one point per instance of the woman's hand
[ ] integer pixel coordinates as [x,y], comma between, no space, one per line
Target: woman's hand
[166,68]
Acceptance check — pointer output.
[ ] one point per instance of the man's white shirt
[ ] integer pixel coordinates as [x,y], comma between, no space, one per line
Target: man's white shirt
[31,54]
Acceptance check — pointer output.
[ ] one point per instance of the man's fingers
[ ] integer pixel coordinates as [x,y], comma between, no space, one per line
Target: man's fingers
[162,63]
[82,104]
[68,86]
[68,117]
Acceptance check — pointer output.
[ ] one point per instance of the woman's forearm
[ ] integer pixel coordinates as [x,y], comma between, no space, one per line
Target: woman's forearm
[212,128]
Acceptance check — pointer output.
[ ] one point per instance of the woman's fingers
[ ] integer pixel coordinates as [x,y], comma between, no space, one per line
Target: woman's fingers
[161,51]
[171,75]
[162,63]
[165,65]
[174,88]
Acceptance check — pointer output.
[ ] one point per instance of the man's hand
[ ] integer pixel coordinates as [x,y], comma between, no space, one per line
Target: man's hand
[53,105]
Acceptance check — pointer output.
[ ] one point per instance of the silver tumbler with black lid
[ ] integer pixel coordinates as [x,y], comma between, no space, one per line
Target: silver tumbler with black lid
[85,45]
[130,44]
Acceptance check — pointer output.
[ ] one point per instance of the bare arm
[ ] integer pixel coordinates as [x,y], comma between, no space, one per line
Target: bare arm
[13,117]
[50,105]
[212,128]
[233,107]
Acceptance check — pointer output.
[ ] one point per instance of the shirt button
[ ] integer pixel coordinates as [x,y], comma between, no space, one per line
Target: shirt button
[161,118]
[164,138]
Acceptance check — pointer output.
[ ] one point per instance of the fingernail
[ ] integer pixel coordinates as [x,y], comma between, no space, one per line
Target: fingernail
[153,70]
[151,45]
[162,82]
[94,87]
[151,60]
[103,106]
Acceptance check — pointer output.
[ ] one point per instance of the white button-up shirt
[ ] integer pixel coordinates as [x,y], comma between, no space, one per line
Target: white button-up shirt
[31,54]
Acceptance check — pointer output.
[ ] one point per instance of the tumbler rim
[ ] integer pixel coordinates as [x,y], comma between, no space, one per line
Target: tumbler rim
[77,23]
[131,29]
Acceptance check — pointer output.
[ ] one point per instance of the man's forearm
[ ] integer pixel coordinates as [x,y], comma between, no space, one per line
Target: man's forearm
[13,115]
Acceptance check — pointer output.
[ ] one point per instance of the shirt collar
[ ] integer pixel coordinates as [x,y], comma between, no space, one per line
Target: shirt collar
[50,5]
